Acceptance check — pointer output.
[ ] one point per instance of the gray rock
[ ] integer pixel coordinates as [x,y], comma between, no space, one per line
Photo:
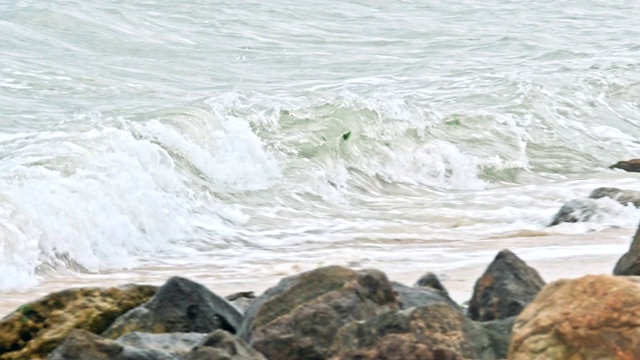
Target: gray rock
[83,345]
[298,318]
[490,339]
[173,343]
[629,263]
[220,345]
[431,280]
[576,210]
[180,305]
[418,296]
[579,210]
[624,197]
[505,288]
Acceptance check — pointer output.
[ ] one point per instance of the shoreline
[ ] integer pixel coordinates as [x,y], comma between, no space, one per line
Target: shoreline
[458,278]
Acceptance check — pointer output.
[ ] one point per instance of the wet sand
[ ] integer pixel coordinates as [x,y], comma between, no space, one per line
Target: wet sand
[555,256]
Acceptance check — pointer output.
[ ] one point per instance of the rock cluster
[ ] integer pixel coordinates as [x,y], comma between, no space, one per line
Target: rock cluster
[341,314]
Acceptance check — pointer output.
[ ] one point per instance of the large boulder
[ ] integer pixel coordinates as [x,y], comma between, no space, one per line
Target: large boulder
[436,331]
[36,328]
[505,288]
[180,305]
[299,318]
[632,165]
[629,263]
[593,317]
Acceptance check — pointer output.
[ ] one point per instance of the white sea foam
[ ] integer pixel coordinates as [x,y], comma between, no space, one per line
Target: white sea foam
[187,135]
[103,198]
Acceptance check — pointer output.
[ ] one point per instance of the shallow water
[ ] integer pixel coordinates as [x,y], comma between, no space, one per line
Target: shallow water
[232,141]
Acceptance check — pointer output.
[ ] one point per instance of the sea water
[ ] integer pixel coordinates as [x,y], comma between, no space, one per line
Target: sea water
[244,140]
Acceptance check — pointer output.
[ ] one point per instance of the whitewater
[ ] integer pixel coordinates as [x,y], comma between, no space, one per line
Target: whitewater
[235,142]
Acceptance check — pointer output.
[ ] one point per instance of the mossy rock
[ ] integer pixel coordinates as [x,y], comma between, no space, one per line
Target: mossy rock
[37,328]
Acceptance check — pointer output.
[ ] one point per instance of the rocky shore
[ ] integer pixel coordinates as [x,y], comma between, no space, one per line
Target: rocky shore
[339,313]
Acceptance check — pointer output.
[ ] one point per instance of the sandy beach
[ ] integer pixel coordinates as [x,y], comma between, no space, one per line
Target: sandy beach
[554,256]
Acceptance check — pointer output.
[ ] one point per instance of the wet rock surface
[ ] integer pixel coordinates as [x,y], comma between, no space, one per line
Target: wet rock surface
[629,263]
[505,288]
[180,305]
[409,296]
[585,209]
[632,165]
[35,329]
[426,332]
[593,317]
[299,317]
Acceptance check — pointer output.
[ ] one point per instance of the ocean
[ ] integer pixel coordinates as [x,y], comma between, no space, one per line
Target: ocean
[236,142]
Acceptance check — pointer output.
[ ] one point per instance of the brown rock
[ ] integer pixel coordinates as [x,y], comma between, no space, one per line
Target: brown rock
[629,165]
[505,288]
[593,317]
[299,318]
[629,263]
[397,346]
[35,329]
[436,331]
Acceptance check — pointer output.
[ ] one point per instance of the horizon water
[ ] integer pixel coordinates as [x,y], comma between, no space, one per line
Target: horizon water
[239,142]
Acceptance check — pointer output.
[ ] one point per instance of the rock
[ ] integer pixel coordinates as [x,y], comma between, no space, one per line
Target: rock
[82,345]
[629,263]
[298,318]
[431,280]
[418,296]
[629,165]
[35,329]
[170,343]
[180,305]
[241,300]
[593,317]
[505,288]
[576,210]
[434,331]
[624,197]
[221,345]
[499,334]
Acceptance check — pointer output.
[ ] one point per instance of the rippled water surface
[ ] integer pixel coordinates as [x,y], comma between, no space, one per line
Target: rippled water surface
[228,139]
